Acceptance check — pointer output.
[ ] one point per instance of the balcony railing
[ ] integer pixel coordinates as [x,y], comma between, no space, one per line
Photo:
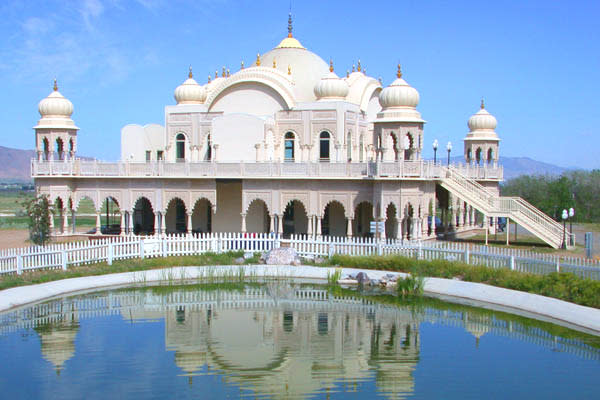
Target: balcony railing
[403,169]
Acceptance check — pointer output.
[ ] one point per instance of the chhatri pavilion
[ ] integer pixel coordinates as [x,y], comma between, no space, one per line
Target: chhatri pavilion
[283,145]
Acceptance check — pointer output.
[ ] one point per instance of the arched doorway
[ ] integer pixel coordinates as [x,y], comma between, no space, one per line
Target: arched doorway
[143,217]
[46,145]
[363,215]
[334,220]
[60,150]
[324,146]
[391,222]
[295,219]
[84,216]
[257,217]
[202,217]
[409,145]
[110,216]
[490,156]
[58,214]
[409,222]
[478,156]
[176,217]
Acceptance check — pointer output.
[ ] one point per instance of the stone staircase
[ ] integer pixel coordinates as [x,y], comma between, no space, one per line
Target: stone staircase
[514,208]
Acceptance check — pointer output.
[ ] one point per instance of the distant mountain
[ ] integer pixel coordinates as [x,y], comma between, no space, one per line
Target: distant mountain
[16,165]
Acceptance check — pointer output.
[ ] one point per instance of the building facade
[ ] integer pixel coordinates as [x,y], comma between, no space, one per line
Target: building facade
[284,145]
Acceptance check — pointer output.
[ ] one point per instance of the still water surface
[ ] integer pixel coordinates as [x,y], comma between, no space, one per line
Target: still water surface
[285,340]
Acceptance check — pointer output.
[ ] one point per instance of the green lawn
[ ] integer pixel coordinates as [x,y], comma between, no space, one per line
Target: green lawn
[10,201]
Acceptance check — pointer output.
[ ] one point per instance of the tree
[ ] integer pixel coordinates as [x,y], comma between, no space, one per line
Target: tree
[39,212]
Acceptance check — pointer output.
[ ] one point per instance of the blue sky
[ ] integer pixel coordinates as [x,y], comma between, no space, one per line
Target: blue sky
[536,63]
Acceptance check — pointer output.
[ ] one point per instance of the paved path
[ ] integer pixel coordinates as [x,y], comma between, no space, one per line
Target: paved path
[572,315]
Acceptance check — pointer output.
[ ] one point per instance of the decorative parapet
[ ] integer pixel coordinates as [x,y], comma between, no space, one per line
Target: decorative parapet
[294,170]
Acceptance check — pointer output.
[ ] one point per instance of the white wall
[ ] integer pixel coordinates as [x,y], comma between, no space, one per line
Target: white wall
[229,199]
[137,139]
[249,98]
[236,135]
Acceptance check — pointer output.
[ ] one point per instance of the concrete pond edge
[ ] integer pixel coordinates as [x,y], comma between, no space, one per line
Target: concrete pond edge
[586,319]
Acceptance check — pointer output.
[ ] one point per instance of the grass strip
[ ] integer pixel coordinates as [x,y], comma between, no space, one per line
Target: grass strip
[563,286]
[42,276]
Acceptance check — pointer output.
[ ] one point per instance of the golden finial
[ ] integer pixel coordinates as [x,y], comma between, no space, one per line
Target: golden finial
[228,74]
[242,65]
[347,73]
[353,67]
[216,74]
[289,69]
[359,67]
[482,105]
[258,60]
[190,73]
[290,25]
[55,85]
[330,65]
[380,80]
[223,72]
[208,78]
[274,63]
[399,73]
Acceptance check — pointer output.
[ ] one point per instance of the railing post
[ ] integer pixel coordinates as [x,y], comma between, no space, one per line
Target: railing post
[63,255]
[467,256]
[512,263]
[19,264]
[141,249]
[558,265]
[109,254]
[379,248]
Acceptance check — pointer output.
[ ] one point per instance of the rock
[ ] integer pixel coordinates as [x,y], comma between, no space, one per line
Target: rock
[239,260]
[362,278]
[319,260]
[248,255]
[297,261]
[281,256]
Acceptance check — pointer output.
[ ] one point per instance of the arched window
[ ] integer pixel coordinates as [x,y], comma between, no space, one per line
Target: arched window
[289,147]
[180,147]
[469,155]
[208,155]
[490,155]
[71,145]
[395,147]
[324,146]
[46,148]
[361,145]
[349,146]
[59,148]
[478,155]
[408,146]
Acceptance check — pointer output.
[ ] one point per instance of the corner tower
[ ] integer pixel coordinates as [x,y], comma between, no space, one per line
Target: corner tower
[55,132]
[482,142]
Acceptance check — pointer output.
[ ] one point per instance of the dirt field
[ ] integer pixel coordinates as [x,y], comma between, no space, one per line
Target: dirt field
[12,238]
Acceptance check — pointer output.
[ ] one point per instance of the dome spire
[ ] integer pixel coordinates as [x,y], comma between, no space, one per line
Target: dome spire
[190,75]
[482,105]
[330,65]
[55,85]
[290,23]
[359,68]
[258,59]
[399,72]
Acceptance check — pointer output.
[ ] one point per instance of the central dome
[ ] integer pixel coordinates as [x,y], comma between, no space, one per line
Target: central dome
[305,67]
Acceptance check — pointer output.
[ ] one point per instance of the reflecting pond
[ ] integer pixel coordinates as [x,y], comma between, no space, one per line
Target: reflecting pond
[285,340]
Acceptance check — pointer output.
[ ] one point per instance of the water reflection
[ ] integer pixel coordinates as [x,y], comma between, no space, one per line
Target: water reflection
[281,339]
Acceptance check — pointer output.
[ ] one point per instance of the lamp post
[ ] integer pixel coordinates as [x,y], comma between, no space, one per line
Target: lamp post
[449,148]
[435,146]
[571,215]
[565,215]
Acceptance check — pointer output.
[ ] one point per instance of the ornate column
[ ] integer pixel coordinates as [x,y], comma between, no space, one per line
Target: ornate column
[258,155]
[163,223]
[424,226]
[243,222]
[405,227]
[65,221]
[349,227]
[73,221]
[214,153]
[280,224]
[318,232]
[309,231]
[130,227]
[272,227]
[189,222]
[433,230]
[338,153]
[399,227]
[157,219]
[122,225]
[98,224]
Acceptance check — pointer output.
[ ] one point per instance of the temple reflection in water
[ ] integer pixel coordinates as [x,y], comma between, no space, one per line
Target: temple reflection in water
[276,340]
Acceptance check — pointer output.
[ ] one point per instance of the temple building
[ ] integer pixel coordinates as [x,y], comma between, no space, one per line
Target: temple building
[283,145]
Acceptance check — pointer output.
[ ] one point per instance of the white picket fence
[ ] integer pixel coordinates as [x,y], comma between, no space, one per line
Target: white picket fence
[61,256]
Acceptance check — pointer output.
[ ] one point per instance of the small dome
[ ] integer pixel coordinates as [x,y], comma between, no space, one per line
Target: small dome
[331,87]
[190,92]
[55,105]
[399,94]
[482,120]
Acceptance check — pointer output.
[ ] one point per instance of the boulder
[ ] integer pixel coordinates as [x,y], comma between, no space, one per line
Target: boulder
[239,260]
[363,278]
[282,256]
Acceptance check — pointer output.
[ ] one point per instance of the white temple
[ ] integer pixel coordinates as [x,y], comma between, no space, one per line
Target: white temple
[284,145]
